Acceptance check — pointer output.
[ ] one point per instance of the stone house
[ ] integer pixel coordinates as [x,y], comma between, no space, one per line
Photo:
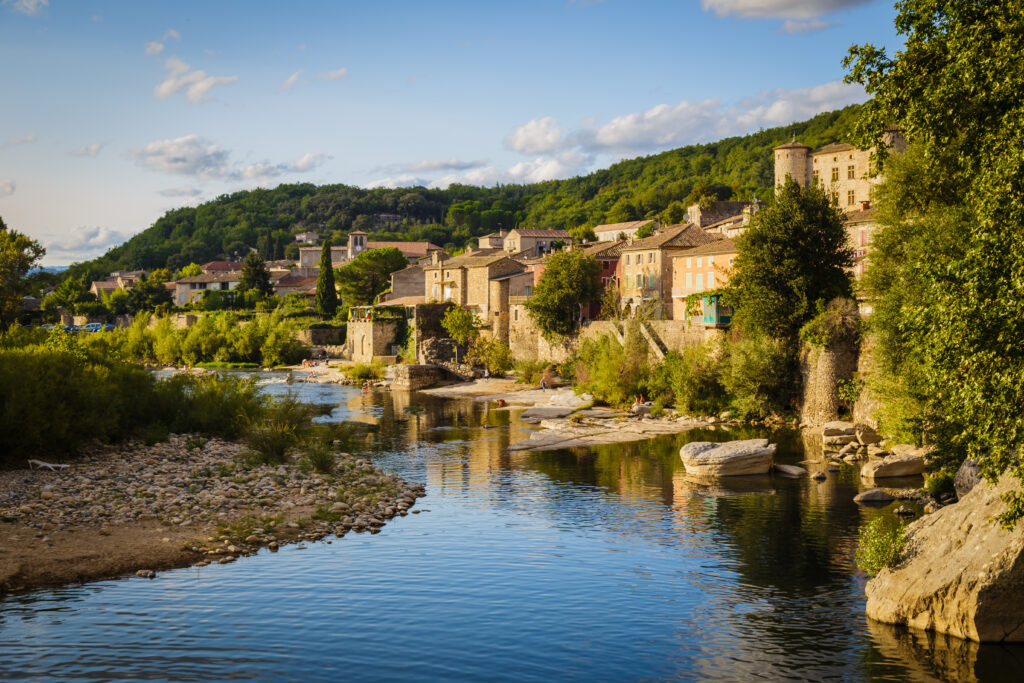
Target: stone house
[222,267]
[309,257]
[612,232]
[478,282]
[717,211]
[295,284]
[119,279]
[190,289]
[645,266]
[532,243]
[702,269]
[406,284]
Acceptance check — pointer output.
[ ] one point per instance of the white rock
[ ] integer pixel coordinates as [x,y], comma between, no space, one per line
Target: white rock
[873,496]
[731,458]
[893,466]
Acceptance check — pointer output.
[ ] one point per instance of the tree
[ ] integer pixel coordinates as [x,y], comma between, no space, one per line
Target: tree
[461,324]
[326,293]
[369,274]
[570,279]
[265,246]
[67,295]
[954,89]
[255,276]
[148,293]
[18,254]
[191,270]
[793,256]
[644,231]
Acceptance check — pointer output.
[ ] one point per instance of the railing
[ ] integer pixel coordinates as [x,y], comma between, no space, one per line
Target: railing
[513,300]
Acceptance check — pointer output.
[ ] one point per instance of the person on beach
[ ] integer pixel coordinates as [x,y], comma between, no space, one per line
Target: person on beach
[543,384]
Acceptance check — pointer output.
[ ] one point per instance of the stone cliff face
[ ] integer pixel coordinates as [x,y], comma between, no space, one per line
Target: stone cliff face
[961,574]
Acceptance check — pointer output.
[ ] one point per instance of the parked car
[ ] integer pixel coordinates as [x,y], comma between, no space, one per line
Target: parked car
[92,327]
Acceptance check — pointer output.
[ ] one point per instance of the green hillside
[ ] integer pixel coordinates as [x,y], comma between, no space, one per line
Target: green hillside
[645,187]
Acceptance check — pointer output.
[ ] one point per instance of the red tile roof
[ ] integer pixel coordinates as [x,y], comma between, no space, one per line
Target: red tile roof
[221,266]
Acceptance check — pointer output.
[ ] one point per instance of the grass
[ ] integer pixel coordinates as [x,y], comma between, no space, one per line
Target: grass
[320,457]
[217,365]
[283,426]
[365,371]
[881,544]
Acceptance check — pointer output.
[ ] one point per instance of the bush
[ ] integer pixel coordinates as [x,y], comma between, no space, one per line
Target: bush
[695,379]
[366,371]
[495,355]
[837,322]
[939,483]
[760,377]
[320,457]
[531,371]
[281,428]
[880,545]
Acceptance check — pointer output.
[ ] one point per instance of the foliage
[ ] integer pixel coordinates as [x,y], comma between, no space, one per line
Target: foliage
[148,294]
[793,256]
[319,456]
[366,371]
[613,374]
[570,280]
[255,276]
[759,377]
[326,292]
[461,324]
[191,270]
[495,355]
[531,371]
[954,89]
[838,322]
[279,429]
[880,545]
[695,377]
[18,254]
[369,274]
[940,483]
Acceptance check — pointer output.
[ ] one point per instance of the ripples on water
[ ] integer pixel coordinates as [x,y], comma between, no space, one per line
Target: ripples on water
[593,564]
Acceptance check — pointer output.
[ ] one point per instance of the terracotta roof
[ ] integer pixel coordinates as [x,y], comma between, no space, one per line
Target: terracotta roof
[523,232]
[505,276]
[606,249]
[231,276]
[722,246]
[629,225]
[404,301]
[473,261]
[679,236]
[295,281]
[407,248]
[860,215]
[222,265]
[834,147]
[105,284]
[791,145]
[738,218]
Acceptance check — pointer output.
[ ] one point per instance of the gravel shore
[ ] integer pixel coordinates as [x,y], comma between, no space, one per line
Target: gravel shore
[187,501]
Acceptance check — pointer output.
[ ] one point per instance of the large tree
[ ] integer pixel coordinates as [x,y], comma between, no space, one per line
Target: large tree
[793,256]
[18,254]
[369,274]
[255,275]
[955,90]
[462,325]
[326,292]
[570,280]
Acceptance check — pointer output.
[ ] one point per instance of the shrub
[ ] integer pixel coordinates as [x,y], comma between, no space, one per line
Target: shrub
[530,371]
[837,322]
[696,379]
[760,377]
[495,355]
[939,483]
[366,371]
[211,404]
[880,545]
[320,457]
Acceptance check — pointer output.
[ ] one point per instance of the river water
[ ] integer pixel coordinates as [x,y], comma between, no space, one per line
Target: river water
[591,564]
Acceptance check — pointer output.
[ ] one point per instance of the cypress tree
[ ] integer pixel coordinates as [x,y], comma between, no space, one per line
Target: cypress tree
[326,294]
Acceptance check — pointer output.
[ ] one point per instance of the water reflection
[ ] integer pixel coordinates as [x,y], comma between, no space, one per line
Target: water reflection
[604,563]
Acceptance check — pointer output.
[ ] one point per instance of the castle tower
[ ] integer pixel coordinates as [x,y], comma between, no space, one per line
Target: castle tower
[356,243]
[791,159]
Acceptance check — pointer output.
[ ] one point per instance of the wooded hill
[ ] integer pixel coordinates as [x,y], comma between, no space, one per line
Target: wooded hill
[659,185]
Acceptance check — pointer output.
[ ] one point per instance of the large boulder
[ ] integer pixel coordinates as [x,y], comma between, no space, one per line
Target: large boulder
[893,466]
[873,496]
[731,458]
[966,477]
[961,573]
[838,428]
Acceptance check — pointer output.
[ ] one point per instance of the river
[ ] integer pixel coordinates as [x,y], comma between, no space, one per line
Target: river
[589,564]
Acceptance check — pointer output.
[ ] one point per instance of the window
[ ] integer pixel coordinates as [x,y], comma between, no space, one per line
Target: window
[436,274]
[448,292]
[650,257]
[700,261]
[689,280]
[851,172]
[650,281]
[850,198]
[711,260]
[639,281]
[700,282]
[434,291]
[689,261]
[835,173]
[528,290]
[731,259]
[817,177]
[863,237]
[711,280]
[515,314]
[627,259]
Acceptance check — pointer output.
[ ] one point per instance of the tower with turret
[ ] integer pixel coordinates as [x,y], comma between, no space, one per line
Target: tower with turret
[792,159]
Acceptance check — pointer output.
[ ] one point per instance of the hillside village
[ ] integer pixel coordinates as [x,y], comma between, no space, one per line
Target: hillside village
[659,271]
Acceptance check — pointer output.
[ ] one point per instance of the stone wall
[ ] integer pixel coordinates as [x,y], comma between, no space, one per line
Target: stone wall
[369,339]
[822,368]
[333,336]
[868,404]
[414,377]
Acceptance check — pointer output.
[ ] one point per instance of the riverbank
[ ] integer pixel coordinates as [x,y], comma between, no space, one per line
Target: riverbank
[188,501]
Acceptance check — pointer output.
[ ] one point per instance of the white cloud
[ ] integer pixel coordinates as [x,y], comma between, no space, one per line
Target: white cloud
[290,82]
[181,192]
[793,27]
[200,158]
[23,140]
[666,126]
[780,9]
[336,75]
[197,84]
[538,136]
[406,180]
[171,33]
[7,188]
[189,155]
[89,150]
[83,242]
[26,6]
[154,48]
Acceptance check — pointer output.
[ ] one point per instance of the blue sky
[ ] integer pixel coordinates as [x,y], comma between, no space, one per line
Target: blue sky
[114,112]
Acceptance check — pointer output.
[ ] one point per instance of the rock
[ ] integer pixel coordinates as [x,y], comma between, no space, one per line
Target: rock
[961,572]
[905,449]
[967,476]
[833,467]
[893,466]
[731,458]
[848,448]
[851,458]
[902,511]
[839,440]
[873,496]
[790,470]
[726,415]
[877,452]
[866,435]
[819,476]
[837,428]
[145,573]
